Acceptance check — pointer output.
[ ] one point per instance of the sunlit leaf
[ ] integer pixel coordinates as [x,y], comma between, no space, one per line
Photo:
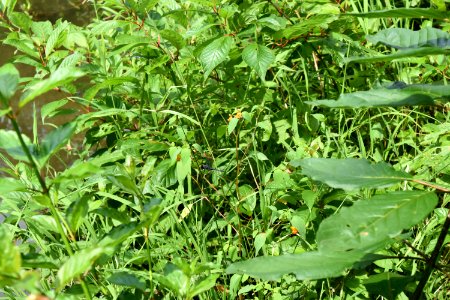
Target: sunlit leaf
[78,264]
[259,58]
[351,173]
[127,279]
[392,97]
[407,53]
[367,223]
[8,184]
[9,79]
[10,260]
[403,13]
[305,266]
[401,38]
[58,78]
[215,53]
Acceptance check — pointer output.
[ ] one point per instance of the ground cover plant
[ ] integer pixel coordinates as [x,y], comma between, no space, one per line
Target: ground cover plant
[231,150]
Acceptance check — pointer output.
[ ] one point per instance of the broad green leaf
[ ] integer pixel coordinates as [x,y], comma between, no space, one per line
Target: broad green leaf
[77,264]
[174,279]
[232,125]
[9,79]
[20,20]
[410,95]
[53,141]
[119,234]
[59,77]
[403,13]
[8,184]
[305,266]
[352,173]
[10,260]
[407,53]
[11,144]
[22,43]
[388,285]
[273,22]
[79,170]
[127,279]
[259,58]
[183,165]
[56,37]
[50,109]
[124,183]
[77,211]
[203,285]
[215,53]
[401,38]
[368,223]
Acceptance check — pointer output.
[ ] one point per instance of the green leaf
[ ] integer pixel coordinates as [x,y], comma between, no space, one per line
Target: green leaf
[305,266]
[401,38]
[306,26]
[417,52]
[403,13]
[77,264]
[173,279]
[392,97]
[174,38]
[10,260]
[59,77]
[388,285]
[9,79]
[259,58]
[11,144]
[124,183]
[215,53]
[367,224]
[78,170]
[56,37]
[119,234]
[92,91]
[203,285]
[77,211]
[352,173]
[53,141]
[127,279]
[8,184]
[183,166]
[232,125]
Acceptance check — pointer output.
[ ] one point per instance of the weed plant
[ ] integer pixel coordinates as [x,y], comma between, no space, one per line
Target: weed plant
[216,161]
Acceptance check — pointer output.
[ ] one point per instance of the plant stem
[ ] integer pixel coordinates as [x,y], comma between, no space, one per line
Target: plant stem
[28,154]
[433,259]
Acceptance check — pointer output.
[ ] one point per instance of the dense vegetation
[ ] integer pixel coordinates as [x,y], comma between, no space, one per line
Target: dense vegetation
[230,149]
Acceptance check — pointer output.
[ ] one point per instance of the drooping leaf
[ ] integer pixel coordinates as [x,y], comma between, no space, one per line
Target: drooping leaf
[403,13]
[78,264]
[174,38]
[259,58]
[305,266]
[402,38]
[58,78]
[351,173]
[410,95]
[365,225]
[215,53]
[9,78]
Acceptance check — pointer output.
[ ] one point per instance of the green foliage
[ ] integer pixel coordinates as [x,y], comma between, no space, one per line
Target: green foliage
[202,154]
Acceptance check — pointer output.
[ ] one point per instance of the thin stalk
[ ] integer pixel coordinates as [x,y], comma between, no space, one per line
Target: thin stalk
[433,259]
[46,192]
